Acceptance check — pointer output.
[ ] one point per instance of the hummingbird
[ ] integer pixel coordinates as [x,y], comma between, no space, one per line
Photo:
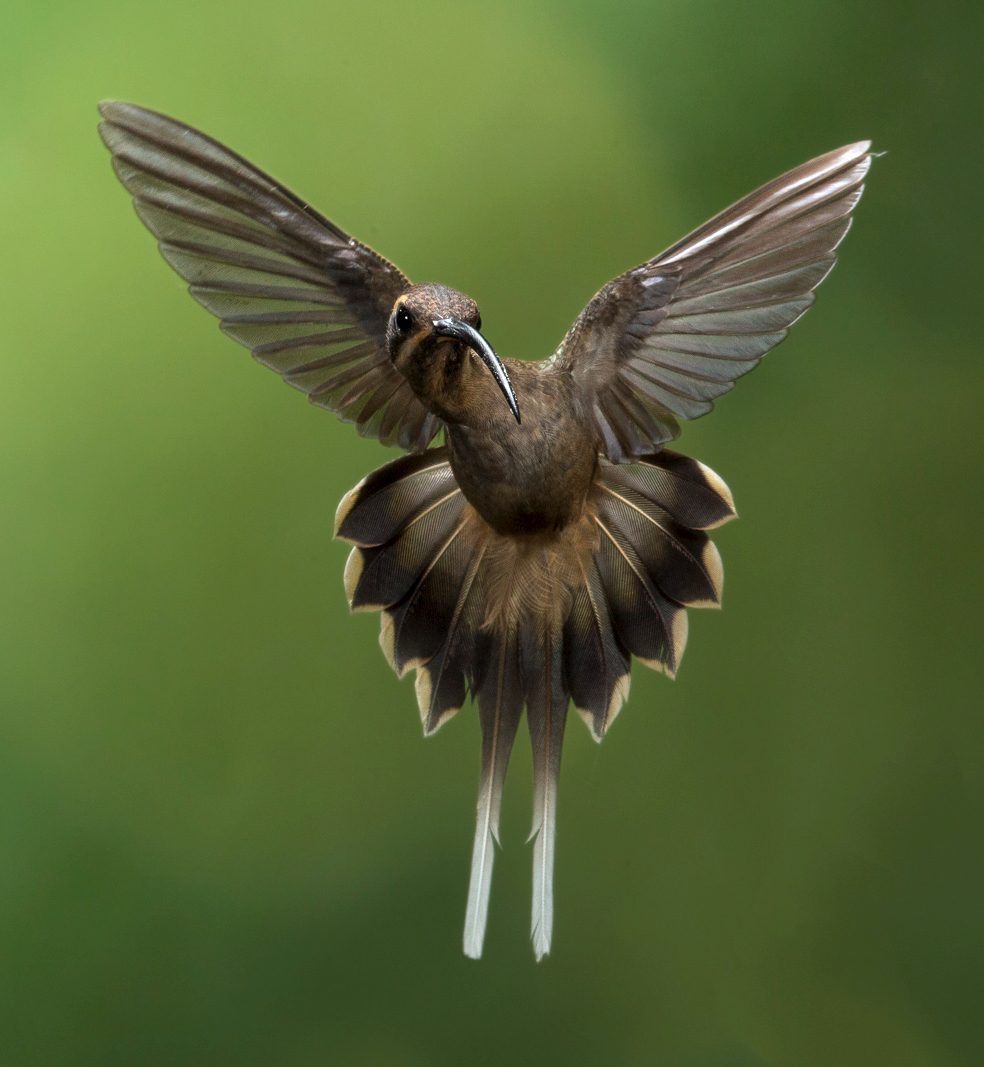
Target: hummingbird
[551,536]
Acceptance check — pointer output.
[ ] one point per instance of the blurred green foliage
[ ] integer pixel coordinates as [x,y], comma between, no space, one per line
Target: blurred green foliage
[221,838]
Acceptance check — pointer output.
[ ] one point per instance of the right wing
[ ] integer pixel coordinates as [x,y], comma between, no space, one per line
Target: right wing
[662,341]
[309,301]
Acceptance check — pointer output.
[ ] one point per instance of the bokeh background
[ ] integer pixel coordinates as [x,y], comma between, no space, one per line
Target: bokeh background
[222,839]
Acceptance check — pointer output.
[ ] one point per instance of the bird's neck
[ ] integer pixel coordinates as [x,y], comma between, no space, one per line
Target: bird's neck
[459,389]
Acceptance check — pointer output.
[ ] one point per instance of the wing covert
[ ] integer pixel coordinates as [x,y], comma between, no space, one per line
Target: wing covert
[309,301]
[662,341]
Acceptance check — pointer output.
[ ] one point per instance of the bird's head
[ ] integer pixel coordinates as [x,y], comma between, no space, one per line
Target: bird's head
[434,340]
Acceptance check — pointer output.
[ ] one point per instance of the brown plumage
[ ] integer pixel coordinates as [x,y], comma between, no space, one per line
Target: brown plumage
[552,537]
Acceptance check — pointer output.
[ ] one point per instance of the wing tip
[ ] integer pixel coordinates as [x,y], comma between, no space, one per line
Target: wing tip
[122,116]
[842,158]
[857,148]
[122,112]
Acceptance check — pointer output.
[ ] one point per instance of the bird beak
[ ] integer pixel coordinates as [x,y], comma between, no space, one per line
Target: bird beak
[477,343]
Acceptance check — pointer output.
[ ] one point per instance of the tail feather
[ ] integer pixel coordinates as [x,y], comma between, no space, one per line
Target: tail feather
[546,713]
[596,666]
[500,705]
[441,679]
[692,493]
[379,577]
[421,619]
[648,624]
[679,561]
[381,505]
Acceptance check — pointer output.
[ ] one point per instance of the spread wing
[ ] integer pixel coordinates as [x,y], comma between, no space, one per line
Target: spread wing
[662,341]
[310,302]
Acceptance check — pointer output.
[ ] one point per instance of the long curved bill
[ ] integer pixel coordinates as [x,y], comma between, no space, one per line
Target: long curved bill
[477,343]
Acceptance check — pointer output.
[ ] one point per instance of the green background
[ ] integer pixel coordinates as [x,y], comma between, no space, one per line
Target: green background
[222,839]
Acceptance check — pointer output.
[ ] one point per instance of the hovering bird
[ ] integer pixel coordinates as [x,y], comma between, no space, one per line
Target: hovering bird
[552,536]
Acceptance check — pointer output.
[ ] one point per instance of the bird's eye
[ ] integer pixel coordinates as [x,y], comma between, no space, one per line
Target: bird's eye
[478,322]
[404,320]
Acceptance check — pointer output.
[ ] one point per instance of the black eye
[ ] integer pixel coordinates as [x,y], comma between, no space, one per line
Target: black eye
[404,320]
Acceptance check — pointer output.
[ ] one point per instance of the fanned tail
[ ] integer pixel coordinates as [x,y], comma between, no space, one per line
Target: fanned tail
[534,621]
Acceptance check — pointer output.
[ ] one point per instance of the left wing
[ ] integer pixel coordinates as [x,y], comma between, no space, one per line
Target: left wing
[662,341]
[309,301]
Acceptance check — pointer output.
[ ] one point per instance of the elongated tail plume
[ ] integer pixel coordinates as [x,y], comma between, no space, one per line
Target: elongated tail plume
[546,714]
[500,705]
[532,623]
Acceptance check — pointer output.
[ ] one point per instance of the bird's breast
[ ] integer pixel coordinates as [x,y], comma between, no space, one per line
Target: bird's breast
[527,477]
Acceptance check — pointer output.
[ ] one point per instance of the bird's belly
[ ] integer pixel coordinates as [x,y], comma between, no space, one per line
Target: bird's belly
[524,479]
